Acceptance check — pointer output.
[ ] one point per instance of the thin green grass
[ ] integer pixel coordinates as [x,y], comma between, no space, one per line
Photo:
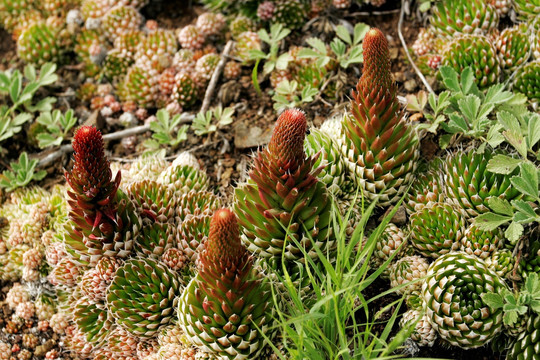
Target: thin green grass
[325,325]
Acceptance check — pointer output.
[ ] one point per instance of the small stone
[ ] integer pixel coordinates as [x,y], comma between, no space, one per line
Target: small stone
[394,53]
[41,350]
[400,76]
[410,85]
[245,137]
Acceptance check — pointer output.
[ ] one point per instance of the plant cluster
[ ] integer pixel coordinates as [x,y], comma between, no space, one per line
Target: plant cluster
[466,34]
[289,13]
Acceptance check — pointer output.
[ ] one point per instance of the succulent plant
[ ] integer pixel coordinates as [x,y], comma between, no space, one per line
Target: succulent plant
[95,9]
[284,193]
[436,230]
[424,43]
[197,203]
[380,147]
[157,49]
[190,37]
[128,42]
[292,14]
[391,239]
[513,46]
[502,262]
[193,232]
[11,10]
[246,42]
[406,270]
[92,319]
[334,174]
[184,90]
[501,6]
[40,43]
[427,188]
[141,86]
[103,221]
[241,24]
[453,17]
[527,9]
[452,297]
[481,243]
[121,19]
[527,81]
[478,52]
[143,295]
[94,282]
[469,185]
[226,306]
[525,347]
[210,23]
[184,178]
[154,200]
[423,333]
[83,42]
[155,239]
[205,66]
[116,65]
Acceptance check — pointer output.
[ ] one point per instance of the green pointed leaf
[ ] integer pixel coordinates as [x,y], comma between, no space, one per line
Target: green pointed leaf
[513,232]
[527,180]
[500,206]
[527,212]
[490,221]
[450,78]
[503,164]
[534,130]
[343,34]
[469,106]
[494,301]
[510,317]
[467,80]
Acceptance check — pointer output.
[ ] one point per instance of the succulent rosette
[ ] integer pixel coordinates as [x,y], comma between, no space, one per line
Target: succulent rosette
[478,52]
[453,17]
[436,230]
[469,185]
[527,80]
[408,269]
[226,306]
[427,188]
[452,297]
[283,200]
[423,333]
[513,46]
[526,347]
[481,243]
[103,220]
[143,296]
[154,200]
[380,147]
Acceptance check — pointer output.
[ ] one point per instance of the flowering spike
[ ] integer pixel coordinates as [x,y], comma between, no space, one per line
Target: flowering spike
[379,146]
[287,142]
[99,211]
[284,193]
[224,237]
[226,287]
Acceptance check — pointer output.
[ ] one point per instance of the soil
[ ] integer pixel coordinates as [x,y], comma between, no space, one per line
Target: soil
[225,162]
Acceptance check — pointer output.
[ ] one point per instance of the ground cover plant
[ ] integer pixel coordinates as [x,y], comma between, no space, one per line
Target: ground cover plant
[269,179]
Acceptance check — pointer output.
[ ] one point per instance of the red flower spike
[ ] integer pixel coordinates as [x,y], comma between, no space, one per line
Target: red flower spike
[287,142]
[381,146]
[223,244]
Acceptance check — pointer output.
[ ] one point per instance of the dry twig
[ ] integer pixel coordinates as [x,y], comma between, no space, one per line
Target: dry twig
[215,76]
[404,44]
[64,149]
